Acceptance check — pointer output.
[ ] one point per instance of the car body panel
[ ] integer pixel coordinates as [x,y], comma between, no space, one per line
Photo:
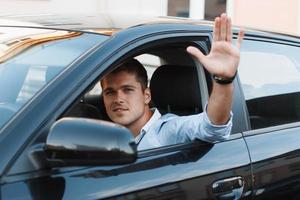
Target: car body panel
[275,160]
[186,173]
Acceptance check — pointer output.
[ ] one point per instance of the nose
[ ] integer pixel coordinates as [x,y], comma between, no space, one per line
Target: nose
[119,98]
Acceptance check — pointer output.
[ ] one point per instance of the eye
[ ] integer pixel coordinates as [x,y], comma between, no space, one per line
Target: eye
[128,90]
[108,93]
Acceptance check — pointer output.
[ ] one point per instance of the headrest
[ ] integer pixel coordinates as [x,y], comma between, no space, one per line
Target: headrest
[176,89]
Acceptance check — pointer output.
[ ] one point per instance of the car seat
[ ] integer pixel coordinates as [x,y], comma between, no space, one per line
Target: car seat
[175,89]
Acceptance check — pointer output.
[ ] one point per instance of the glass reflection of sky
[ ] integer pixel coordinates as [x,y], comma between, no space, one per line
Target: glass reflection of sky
[269,69]
[25,74]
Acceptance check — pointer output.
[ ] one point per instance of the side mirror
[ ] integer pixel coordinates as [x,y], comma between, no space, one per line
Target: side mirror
[86,142]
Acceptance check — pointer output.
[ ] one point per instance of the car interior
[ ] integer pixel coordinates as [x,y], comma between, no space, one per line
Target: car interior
[174,84]
[178,85]
[175,89]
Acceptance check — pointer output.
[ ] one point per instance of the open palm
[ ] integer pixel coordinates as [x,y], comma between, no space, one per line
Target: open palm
[224,57]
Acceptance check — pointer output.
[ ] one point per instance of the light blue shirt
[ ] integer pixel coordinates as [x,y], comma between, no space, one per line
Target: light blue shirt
[173,129]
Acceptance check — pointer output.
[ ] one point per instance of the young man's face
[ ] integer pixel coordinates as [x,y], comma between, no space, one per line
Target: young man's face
[124,99]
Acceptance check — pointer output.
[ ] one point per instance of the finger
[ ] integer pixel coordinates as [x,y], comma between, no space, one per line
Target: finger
[229,30]
[240,38]
[196,53]
[216,32]
[223,27]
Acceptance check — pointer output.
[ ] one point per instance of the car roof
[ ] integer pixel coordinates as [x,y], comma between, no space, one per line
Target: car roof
[109,24]
[90,23]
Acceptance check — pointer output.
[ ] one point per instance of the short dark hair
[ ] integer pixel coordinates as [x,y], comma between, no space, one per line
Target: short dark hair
[133,66]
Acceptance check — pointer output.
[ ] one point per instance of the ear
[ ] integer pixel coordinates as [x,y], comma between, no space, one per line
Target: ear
[147,95]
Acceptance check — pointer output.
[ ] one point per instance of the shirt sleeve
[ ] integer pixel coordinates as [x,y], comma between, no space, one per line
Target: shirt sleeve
[187,128]
[214,132]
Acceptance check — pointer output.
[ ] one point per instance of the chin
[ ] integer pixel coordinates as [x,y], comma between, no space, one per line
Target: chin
[120,121]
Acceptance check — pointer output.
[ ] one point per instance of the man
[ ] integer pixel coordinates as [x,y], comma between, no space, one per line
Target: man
[127,97]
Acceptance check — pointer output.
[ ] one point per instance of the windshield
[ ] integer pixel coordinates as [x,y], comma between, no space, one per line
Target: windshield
[30,58]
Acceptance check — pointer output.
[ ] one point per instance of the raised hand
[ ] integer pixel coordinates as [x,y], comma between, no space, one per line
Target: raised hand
[224,57]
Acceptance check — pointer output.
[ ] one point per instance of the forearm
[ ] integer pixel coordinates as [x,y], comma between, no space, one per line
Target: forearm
[222,61]
[219,103]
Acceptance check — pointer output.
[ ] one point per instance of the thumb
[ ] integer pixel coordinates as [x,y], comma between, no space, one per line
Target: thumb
[240,38]
[195,52]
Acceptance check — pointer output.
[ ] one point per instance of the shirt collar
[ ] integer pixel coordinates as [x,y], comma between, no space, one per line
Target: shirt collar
[156,115]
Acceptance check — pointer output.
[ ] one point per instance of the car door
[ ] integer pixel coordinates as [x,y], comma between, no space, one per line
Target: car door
[184,171]
[270,76]
[189,171]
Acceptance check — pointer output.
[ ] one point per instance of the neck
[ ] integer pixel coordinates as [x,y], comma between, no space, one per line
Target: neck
[136,126]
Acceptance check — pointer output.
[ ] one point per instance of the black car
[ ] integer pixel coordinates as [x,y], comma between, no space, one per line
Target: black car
[56,141]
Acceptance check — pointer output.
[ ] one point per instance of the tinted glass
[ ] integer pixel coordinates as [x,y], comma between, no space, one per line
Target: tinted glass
[30,58]
[270,76]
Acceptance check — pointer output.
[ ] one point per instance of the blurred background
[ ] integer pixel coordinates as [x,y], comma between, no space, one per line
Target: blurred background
[274,15]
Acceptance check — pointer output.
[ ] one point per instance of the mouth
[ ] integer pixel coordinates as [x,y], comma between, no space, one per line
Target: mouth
[119,109]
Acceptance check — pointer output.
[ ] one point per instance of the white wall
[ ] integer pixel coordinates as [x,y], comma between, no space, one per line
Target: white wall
[22,6]
[134,7]
[230,8]
[74,6]
[197,9]
[47,6]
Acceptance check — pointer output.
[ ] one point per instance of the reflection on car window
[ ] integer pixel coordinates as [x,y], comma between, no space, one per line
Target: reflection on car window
[34,80]
[26,67]
[270,77]
[265,75]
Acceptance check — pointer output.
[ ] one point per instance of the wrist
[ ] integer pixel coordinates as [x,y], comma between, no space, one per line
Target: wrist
[223,80]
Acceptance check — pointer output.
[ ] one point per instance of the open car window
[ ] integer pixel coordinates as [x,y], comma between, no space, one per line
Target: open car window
[177,100]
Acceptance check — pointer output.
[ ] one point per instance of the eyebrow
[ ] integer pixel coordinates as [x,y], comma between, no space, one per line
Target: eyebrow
[123,86]
[107,89]
[128,86]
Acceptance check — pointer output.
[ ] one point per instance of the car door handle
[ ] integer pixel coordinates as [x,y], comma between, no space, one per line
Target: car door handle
[229,188]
